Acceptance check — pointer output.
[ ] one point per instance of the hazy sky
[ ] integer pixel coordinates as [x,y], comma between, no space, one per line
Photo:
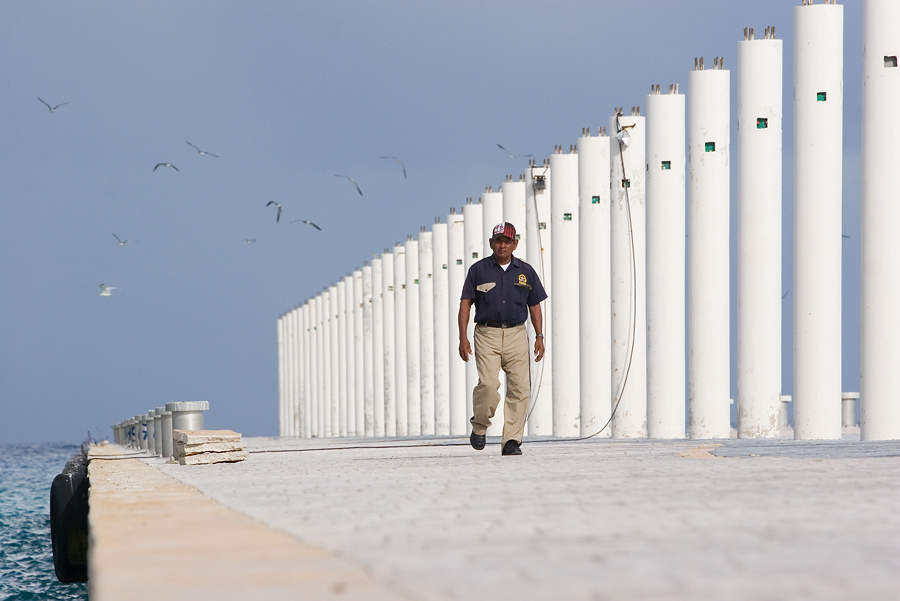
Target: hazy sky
[289,94]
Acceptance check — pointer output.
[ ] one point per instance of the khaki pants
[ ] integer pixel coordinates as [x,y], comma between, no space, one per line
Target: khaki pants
[506,349]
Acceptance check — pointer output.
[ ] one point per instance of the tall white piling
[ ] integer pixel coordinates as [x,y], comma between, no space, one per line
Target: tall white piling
[491,215]
[389,337]
[356,426]
[456,274]
[413,340]
[426,332]
[665,263]
[294,380]
[282,376]
[709,143]
[306,432]
[473,231]
[316,368]
[401,380]
[302,378]
[818,119]
[368,415]
[353,349]
[337,350]
[348,348]
[299,393]
[538,255]
[628,235]
[290,375]
[594,282]
[284,384]
[377,347]
[325,326]
[564,223]
[344,381]
[443,320]
[880,409]
[759,235]
[514,211]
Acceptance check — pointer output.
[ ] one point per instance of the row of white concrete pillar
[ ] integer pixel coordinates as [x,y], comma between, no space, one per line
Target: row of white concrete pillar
[604,225]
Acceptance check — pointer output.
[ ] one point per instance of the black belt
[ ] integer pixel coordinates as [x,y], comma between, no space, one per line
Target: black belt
[500,325]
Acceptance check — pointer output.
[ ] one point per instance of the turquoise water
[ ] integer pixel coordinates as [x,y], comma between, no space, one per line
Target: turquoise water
[26,554]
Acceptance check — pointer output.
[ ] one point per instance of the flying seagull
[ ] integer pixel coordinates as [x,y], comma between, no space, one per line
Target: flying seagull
[158,165]
[249,240]
[121,242]
[203,153]
[307,223]
[353,181]
[514,156]
[106,290]
[277,216]
[52,109]
[401,164]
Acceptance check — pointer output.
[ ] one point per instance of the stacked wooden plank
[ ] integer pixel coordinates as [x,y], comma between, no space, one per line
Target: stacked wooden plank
[198,447]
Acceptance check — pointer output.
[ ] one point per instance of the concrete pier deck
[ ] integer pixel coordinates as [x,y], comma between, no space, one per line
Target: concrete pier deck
[433,519]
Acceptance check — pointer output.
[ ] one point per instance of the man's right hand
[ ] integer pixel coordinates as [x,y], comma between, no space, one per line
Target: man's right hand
[464,349]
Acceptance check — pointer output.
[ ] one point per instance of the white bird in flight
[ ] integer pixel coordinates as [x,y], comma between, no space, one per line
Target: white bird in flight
[401,164]
[249,240]
[514,156]
[106,290]
[121,242]
[158,165]
[307,223]
[353,181]
[278,215]
[52,109]
[202,153]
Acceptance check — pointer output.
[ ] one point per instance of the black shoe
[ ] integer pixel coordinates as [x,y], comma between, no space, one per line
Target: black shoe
[511,448]
[477,441]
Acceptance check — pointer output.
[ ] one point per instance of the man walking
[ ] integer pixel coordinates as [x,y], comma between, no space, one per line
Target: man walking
[505,291]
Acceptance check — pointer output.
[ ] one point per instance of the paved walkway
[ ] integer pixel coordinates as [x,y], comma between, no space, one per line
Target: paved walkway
[436,520]
[594,520]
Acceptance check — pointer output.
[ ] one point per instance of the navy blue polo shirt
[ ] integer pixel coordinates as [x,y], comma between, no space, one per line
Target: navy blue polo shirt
[502,296]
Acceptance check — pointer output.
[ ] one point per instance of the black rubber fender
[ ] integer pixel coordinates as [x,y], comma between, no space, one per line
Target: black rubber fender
[69,521]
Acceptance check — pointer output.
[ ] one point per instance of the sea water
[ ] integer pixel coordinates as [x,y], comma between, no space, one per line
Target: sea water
[26,553]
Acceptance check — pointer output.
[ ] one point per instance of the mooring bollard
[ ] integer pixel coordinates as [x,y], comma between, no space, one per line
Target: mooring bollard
[165,432]
[157,430]
[187,415]
[785,399]
[142,431]
[848,409]
[151,431]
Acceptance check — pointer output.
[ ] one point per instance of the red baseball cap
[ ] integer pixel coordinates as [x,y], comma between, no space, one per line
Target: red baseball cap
[504,228]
